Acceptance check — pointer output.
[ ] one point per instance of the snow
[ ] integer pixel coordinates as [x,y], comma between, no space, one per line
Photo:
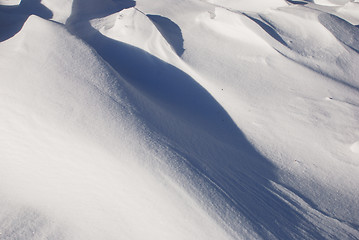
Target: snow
[330,2]
[355,147]
[166,119]
[10,2]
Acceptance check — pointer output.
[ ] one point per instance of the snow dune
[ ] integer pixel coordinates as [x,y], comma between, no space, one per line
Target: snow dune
[170,119]
[83,159]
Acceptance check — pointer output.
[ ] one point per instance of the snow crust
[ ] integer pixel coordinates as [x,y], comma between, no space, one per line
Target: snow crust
[167,119]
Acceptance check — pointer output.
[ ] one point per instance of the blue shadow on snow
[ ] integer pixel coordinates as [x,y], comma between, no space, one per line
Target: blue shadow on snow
[239,173]
[170,31]
[12,18]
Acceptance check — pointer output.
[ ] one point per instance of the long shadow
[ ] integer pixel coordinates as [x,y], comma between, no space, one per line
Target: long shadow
[344,31]
[170,31]
[12,18]
[268,28]
[297,2]
[240,174]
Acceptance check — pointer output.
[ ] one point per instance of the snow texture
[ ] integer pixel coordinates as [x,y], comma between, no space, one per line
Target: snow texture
[167,119]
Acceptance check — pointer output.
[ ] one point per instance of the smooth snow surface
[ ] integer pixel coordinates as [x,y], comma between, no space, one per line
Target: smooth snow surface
[167,119]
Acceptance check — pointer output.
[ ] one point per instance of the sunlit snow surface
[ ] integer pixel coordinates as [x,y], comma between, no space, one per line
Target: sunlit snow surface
[168,119]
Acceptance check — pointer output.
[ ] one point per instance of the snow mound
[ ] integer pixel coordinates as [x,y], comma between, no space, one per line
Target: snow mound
[334,39]
[331,2]
[135,28]
[231,25]
[84,156]
[61,9]
[349,12]
[345,32]
[169,119]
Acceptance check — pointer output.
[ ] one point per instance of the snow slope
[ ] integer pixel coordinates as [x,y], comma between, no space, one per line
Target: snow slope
[167,119]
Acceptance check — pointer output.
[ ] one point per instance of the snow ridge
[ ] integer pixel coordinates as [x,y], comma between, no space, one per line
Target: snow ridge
[215,119]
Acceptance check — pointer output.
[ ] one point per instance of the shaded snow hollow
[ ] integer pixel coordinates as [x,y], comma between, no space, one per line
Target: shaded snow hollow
[211,119]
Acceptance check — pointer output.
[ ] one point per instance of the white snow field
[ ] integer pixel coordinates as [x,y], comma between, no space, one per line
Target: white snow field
[179,119]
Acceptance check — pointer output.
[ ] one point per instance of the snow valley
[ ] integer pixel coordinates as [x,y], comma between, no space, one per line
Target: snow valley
[168,119]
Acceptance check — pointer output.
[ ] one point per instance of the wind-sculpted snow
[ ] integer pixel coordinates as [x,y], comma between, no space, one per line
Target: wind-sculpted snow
[170,31]
[171,119]
[13,16]
[342,30]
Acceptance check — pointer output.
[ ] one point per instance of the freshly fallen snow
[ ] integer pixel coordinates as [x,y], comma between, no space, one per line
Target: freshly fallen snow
[217,119]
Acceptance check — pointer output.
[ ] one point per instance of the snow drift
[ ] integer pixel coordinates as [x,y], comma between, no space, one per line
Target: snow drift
[179,119]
